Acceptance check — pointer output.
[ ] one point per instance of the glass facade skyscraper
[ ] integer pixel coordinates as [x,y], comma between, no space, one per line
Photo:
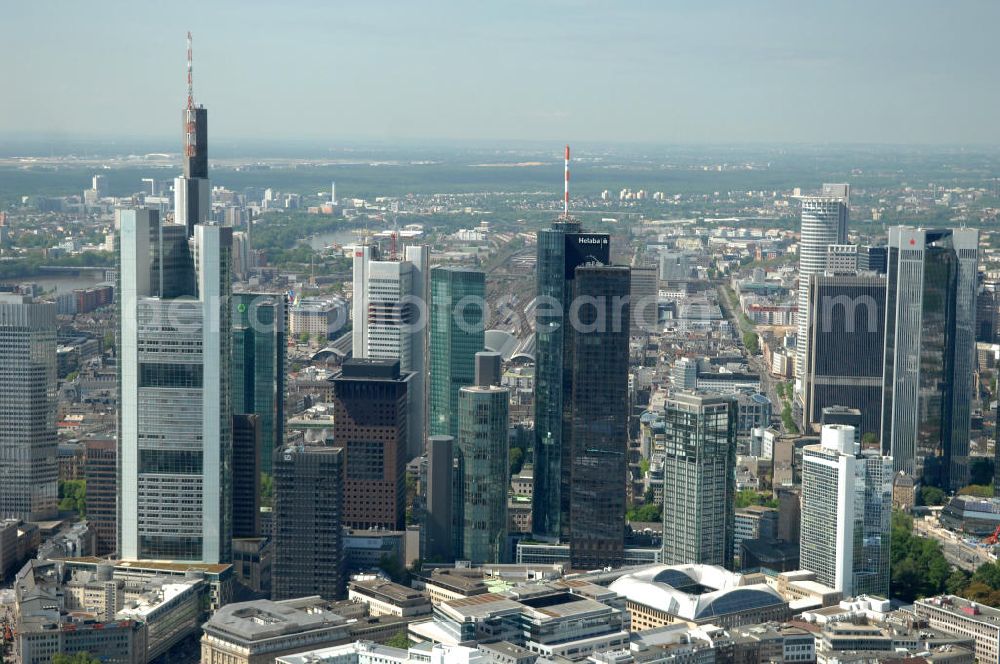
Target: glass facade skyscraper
[29,470]
[308,517]
[599,408]
[846,514]
[699,479]
[846,347]
[482,450]
[561,249]
[258,367]
[930,352]
[175,416]
[457,334]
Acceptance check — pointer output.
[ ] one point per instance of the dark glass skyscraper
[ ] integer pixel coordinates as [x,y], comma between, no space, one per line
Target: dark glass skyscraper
[930,352]
[258,368]
[599,416]
[308,512]
[561,249]
[457,334]
[846,345]
[246,475]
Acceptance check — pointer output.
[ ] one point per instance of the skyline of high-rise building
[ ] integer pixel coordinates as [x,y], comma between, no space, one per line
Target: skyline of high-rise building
[175,416]
[599,412]
[483,462]
[930,352]
[823,222]
[457,333]
[308,518]
[370,425]
[29,470]
[389,314]
[258,366]
[699,479]
[846,347]
[561,249]
[846,510]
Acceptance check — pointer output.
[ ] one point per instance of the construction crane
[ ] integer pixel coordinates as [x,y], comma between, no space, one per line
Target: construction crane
[994,538]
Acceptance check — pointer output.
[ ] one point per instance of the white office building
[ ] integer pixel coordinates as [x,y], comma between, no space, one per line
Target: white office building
[390,316]
[824,222]
[175,422]
[846,512]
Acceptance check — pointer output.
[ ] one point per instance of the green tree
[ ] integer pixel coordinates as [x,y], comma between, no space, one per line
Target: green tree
[751,343]
[931,495]
[266,490]
[869,440]
[645,513]
[73,496]
[516,458]
[398,640]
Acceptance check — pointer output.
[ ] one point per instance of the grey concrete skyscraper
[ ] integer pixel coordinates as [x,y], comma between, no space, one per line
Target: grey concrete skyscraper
[29,470]
[599,408]
[699,481]
[824,222]
[930,352]
[846,514]
[561,249]
[308,515]
[175,417]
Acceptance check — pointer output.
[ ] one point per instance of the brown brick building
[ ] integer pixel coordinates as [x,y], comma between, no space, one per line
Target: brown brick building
[370,426]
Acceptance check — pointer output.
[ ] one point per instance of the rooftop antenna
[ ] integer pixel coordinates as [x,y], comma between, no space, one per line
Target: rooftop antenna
[190,75]
[566,188]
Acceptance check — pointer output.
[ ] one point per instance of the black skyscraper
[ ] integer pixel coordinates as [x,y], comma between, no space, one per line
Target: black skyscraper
[599,416]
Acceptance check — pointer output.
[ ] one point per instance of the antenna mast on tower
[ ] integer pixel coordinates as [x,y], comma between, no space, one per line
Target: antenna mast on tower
[190,74]
[566,187]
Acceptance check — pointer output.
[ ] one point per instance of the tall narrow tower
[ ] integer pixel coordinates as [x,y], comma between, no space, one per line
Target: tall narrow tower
[561,249]
[192,191]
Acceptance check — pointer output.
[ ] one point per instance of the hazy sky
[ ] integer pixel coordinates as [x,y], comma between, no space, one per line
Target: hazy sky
[894,71]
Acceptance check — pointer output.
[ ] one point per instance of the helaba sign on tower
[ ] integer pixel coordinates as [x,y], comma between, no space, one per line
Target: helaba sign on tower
[584,248]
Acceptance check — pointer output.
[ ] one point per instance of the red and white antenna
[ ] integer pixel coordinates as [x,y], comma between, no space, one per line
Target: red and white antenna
[566,187]
[190,77]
